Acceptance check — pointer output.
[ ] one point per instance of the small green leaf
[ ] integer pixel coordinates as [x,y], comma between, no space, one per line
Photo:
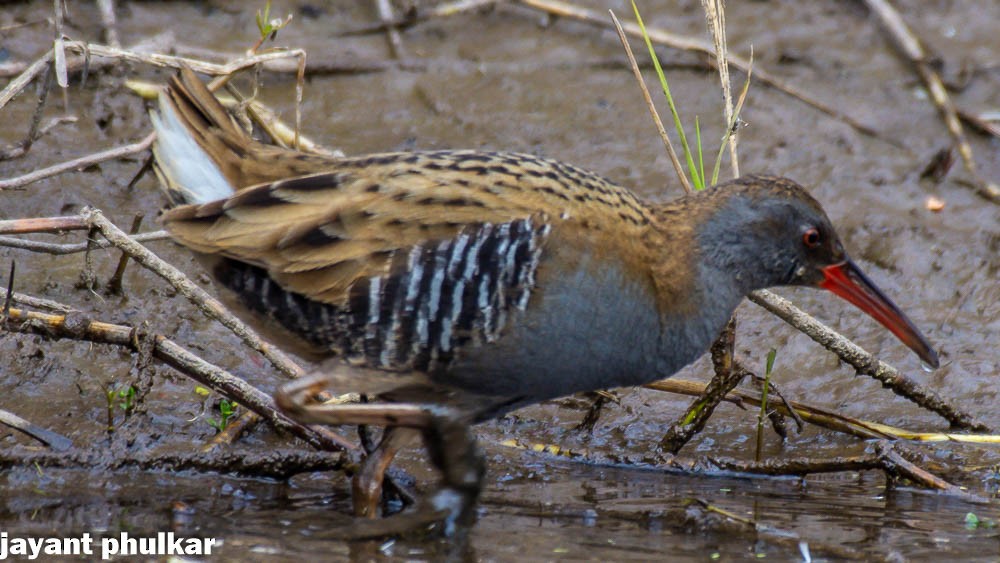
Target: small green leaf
[973,522]
[770,360]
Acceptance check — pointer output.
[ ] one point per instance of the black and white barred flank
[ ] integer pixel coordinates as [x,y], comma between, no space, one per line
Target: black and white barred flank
[436,298]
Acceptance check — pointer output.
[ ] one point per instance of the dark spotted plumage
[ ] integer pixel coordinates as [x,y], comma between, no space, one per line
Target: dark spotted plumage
[435,298]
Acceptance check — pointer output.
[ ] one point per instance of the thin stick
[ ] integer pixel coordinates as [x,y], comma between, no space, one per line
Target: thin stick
[115,283]
[77,163]
[652,107]
[198,296]
[914,51]
[57,442]
[43,225]
[812,414]
[169,61]
[865,363]
[715,13]
[39,303]
[110,22]
[385,13]
[74,248]
[726,378]
[21,82]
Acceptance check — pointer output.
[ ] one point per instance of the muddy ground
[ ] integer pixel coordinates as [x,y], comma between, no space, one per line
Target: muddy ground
[514,79]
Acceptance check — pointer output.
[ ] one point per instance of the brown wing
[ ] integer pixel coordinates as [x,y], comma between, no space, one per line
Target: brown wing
[328,254]
[352,275]
[317,235]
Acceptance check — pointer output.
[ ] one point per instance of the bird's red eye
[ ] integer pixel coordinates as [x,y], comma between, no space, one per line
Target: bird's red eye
[811,237]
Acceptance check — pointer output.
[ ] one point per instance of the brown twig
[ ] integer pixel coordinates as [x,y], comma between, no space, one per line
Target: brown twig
[166,350]
[809,413]
[865,363]
[726,378]
[912,49]
[43,225]
[115,283]
[272,464]
[199,297]
[14,87]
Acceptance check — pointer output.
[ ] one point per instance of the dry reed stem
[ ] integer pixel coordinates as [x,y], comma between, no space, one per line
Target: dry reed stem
[387,16]
[652,107]
[663,37]
[77,163]
[715,14]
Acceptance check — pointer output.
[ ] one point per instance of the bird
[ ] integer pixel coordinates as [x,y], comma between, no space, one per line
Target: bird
[454,286]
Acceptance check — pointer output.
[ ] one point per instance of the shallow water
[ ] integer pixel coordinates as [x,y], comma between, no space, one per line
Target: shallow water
[513,80]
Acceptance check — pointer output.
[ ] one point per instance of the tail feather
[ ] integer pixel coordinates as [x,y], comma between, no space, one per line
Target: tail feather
[201,154]
[189,122]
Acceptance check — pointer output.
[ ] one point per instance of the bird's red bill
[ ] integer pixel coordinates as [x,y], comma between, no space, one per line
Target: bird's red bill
[847,281]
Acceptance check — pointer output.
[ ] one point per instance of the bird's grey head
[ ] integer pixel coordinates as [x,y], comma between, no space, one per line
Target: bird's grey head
[767,231]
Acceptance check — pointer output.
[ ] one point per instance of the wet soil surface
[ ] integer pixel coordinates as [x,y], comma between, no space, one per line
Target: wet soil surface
[513,79]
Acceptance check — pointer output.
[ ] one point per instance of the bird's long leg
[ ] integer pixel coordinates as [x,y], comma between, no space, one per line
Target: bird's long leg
[366,487]
[445,429]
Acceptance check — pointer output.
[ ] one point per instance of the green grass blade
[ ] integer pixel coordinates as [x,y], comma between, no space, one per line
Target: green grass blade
[698,182]
[701,158]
